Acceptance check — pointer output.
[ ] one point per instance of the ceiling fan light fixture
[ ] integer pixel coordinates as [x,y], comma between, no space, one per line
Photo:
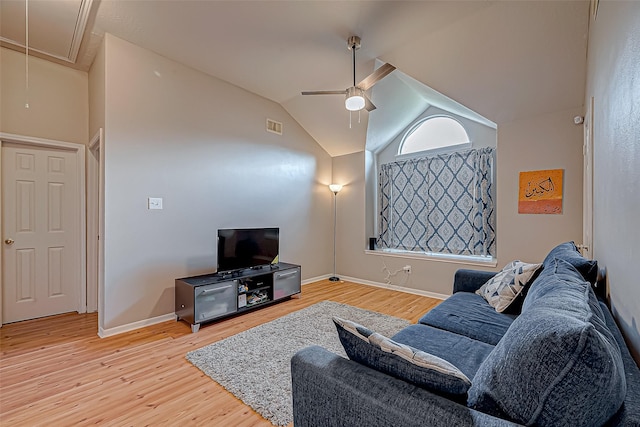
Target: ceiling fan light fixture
[355,99]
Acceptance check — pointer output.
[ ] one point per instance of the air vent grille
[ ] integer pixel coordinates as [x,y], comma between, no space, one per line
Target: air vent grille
[274,126]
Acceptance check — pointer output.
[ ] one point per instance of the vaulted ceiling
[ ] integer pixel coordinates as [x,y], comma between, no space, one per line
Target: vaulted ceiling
[277,49]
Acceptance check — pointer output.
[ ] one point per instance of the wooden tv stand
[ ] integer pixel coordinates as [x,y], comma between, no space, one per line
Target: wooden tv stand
[201,299]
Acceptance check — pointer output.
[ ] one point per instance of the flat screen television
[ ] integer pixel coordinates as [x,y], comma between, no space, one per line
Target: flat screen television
[243,248]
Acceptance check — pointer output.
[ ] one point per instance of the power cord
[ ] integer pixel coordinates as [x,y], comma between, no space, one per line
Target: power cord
[390,275]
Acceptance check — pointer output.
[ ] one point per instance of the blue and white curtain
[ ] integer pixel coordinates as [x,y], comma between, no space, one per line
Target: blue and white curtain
[441,204]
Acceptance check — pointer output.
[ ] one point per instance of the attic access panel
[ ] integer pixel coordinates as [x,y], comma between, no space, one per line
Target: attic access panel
[56,27]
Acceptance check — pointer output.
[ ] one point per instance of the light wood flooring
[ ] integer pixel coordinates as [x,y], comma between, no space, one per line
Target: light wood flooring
[56,371]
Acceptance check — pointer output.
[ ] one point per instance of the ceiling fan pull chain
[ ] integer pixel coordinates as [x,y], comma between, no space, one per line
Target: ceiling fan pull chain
[26,52]
[350,112]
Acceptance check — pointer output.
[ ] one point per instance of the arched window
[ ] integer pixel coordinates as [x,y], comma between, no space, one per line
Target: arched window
[433,133]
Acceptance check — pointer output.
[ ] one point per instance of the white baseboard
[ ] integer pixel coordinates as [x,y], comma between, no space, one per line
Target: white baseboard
[103,333]
[396,288]
[316,279]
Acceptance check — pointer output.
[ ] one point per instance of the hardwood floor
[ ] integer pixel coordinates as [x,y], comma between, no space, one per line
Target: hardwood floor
[57,371]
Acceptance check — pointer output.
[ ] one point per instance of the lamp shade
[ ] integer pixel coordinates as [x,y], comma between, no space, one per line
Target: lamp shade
[335,187]
[355,99]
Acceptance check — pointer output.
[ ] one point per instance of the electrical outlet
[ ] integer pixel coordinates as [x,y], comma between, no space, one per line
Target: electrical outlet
[407,269]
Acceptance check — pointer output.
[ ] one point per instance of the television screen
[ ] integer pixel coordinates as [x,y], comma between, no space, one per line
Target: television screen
[241,248]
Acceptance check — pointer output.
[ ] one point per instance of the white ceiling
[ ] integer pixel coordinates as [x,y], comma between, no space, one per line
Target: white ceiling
[277,49]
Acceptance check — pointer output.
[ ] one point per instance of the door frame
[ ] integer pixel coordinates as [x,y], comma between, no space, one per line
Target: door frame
[79,149]
[587,183]
[95,221]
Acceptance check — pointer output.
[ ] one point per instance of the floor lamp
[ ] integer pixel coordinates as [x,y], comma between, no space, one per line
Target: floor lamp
[335,188]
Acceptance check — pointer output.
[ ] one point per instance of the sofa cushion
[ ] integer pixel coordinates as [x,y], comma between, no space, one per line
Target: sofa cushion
[568,252]
[504,288]
[399,360]
[466,280]
[558,364]
[468,314]
[545,288]
[465,353]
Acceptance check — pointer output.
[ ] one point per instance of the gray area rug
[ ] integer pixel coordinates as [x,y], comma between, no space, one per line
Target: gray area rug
[254,365]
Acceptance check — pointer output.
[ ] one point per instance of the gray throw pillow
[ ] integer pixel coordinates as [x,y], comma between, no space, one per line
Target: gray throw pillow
[399,360]
[502,289]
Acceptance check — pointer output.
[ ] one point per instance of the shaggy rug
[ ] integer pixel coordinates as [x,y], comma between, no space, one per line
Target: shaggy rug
[254,365]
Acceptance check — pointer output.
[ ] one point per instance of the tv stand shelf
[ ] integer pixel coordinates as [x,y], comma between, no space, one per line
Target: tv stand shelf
[208,297]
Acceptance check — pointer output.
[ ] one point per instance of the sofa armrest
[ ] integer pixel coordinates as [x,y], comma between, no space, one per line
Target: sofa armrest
[470,280]
[329,390]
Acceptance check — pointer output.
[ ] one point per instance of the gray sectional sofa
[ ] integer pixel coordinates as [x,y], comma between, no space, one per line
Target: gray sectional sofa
[556,359]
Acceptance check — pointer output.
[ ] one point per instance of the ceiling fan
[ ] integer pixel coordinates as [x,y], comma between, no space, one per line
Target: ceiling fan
[355,98]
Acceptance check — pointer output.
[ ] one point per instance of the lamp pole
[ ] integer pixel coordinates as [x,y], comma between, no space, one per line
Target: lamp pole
[335,188]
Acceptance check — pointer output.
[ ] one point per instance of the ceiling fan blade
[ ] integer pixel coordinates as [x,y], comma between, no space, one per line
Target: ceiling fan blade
[368,105]
[325,92]
[376,76]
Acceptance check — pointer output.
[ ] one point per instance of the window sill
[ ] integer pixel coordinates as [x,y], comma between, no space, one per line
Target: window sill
[456,259]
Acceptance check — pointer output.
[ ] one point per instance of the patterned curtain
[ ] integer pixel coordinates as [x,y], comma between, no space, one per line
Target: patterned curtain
[440,204]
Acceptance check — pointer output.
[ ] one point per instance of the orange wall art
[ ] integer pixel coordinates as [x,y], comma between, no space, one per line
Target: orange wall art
[540,192]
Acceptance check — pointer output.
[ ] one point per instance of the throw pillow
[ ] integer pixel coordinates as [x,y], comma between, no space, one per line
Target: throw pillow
[568,252]
[399,360]
[502,289]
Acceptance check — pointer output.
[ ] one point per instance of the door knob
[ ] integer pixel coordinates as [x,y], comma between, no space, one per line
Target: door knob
[9,241]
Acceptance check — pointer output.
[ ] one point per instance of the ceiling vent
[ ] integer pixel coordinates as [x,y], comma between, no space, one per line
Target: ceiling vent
[274,127]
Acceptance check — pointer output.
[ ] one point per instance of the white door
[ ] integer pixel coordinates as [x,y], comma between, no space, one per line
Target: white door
[41,222]
[587,183]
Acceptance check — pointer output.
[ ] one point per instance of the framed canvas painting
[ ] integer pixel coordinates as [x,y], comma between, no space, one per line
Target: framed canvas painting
[540,192]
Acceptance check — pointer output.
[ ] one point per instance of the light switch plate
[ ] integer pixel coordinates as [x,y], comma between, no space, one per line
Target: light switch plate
[155,203]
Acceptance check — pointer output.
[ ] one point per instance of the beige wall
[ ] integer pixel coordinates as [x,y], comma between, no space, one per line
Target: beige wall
[201,145]
[614,83]
[522,145]
[550,141]
[97,92]
[481,60]
[488,59]
[58,99]
[95,176]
